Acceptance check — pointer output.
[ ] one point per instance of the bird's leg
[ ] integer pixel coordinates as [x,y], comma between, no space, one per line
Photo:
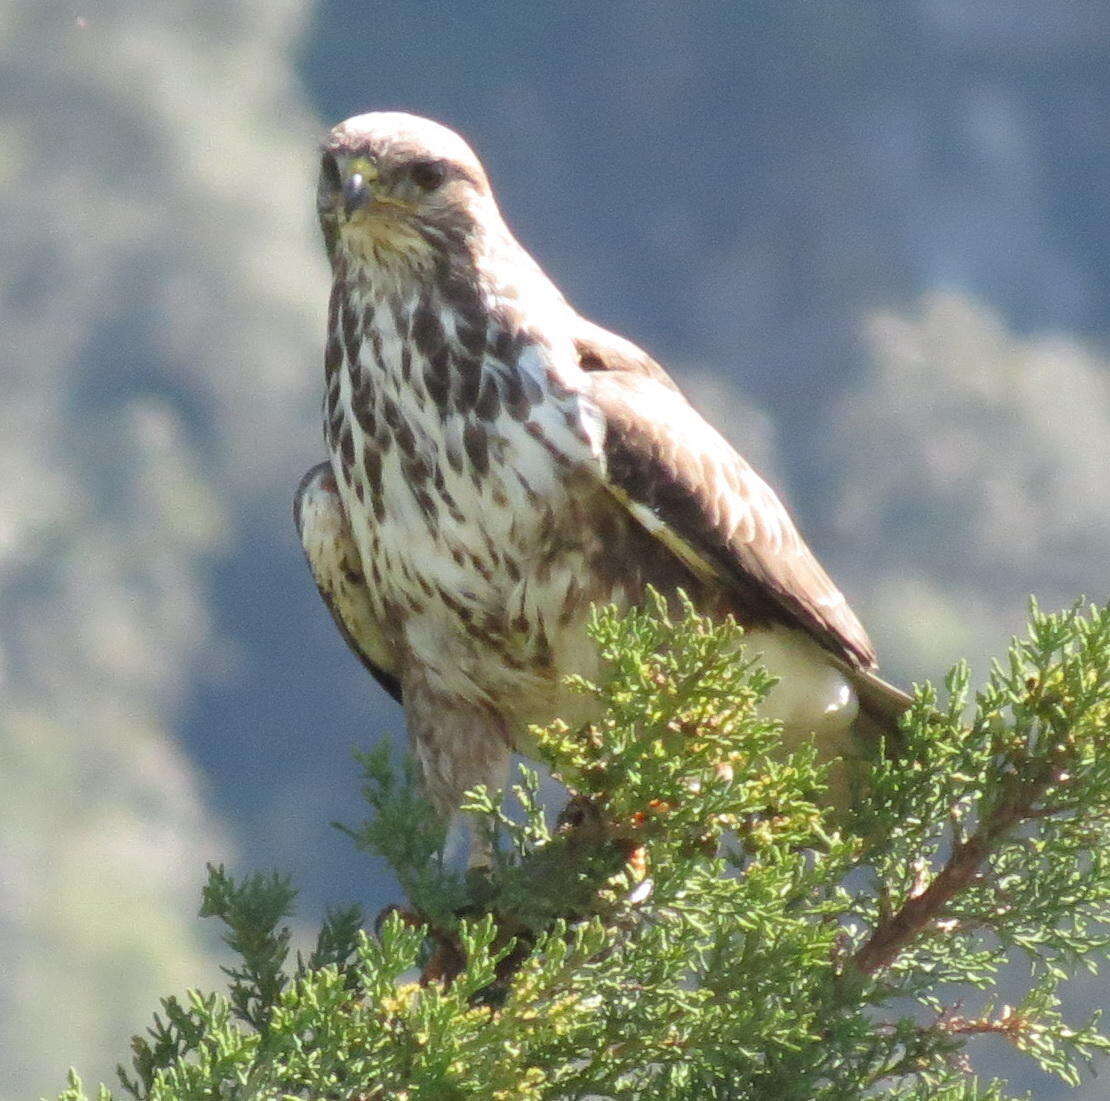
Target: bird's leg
[459,747]
[471,829]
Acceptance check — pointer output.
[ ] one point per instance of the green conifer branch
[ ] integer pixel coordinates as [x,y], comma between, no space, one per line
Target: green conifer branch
[697,923]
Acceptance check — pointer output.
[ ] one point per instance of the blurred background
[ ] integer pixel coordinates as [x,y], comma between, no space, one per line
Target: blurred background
[871,240]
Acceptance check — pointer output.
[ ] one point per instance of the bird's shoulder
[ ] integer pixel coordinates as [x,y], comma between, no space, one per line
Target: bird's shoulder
[602,351]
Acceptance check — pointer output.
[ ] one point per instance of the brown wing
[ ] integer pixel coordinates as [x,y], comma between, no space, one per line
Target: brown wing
[336,568]
[684,482]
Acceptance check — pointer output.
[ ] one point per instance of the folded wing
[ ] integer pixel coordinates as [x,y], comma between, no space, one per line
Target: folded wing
[684,483]
[337,570]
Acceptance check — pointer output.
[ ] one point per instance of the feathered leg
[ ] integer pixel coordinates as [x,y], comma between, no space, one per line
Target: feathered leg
[459,747]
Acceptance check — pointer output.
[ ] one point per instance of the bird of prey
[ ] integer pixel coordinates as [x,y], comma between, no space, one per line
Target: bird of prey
[498,464]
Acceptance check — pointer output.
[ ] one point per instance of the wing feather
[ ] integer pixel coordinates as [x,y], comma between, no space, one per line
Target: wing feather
[336,568]
[685,484]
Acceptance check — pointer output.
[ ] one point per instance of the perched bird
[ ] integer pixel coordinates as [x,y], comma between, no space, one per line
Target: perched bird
[498,464]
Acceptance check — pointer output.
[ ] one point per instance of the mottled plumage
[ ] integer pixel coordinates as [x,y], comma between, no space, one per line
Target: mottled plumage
[498,464]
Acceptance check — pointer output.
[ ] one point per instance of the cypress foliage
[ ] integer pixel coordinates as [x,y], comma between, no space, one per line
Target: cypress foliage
[697,923]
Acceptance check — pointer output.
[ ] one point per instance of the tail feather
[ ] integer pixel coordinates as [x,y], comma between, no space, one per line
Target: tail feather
[881,707]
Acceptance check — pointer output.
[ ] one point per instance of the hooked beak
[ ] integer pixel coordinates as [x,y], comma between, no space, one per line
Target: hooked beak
[361,172]
[356,193]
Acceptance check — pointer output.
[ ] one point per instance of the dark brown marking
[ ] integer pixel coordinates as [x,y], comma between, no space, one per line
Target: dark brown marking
[468,371]
[476,442]
[491,550]
[332,410]
[570,602]
[542,649]
[416,469]
[347,447]
[406,441]
[332,427]
[392,413]
[506,347]
[376,348]
[516,400]
[352,573]
[427,332]
[352,335]
[574,422]
[548,525]
[538,434]
[372,466]
[437,377]
[482,569]
[362,405]
[457,289]
[335,302]
[511,660]
[555,385]
[471,333]
[425,502]
[333,355]
[529,492]
[457,606]
[489,399]
[446,497]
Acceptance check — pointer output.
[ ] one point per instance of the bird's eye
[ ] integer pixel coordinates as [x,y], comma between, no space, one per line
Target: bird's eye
[329,173]
[428,174]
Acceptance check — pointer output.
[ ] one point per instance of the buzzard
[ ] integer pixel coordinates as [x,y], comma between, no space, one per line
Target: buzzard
[498,464]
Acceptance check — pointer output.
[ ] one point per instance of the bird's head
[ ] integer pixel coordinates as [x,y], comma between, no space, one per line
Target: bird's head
[396,189]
